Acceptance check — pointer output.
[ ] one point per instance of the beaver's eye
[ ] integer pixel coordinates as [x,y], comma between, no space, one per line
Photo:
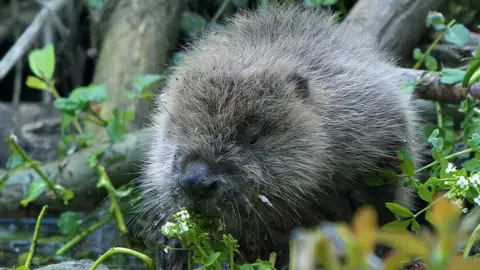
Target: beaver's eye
[253,139]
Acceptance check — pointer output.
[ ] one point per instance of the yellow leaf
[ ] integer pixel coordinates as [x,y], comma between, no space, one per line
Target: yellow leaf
[364,227]
[395,261]
[403,242]
[445,216]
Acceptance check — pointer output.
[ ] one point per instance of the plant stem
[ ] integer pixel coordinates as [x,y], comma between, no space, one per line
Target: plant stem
[439,114]
[473,238]
[84,233]
[34,165]
[272,258]
[111,190]
[232,264]
[120,250]
[430,48]
[291,265]
[220,11]
[96,116]
[54,92]
[33,246]
[428,207]
[466,151]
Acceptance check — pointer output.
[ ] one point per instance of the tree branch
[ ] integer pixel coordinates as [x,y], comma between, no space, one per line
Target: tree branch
[29,35]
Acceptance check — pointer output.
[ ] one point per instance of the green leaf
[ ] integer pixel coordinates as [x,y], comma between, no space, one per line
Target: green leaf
[36,83]
[425,193]
[319,3]
[212,258]
[69,223]
[240,3]
[397,225]
[246,267]
[115,128]
[14,161]
[403,154]
[22,267]
[452,75]
[431,63]
[433,136]
[457,34]
[35,189]
[399,210]
[417,54]
[67,194]
[42,62]
[436,20]
[415,225]
[473,165]
[475,77]
[192,22]
[408,167]
[474,142]
[97,93]
[68,106]
[141,81]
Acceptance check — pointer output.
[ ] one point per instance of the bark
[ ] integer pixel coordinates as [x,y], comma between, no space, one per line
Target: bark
[397,25]
[139,38]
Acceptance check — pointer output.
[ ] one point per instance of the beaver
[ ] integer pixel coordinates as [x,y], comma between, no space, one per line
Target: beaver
[276,120]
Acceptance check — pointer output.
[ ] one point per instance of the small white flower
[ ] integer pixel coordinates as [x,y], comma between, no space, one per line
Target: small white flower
[166,250]
[475,179]
[477,200]
[168,228]
[462,182]
[450,168]
[183,215]
[182,228]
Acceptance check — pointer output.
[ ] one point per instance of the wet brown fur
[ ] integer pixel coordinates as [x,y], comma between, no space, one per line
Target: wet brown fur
[327,108]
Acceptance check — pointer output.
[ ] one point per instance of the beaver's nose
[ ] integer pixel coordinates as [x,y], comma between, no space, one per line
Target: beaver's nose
[197,180]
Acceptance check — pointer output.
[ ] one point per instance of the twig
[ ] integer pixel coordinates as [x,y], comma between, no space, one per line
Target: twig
[17,84]
[28,36]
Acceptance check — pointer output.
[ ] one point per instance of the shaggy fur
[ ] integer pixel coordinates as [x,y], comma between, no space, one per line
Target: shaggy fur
[282,103]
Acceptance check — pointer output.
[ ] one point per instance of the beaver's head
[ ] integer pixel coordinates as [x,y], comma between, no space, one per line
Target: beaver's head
[229,145]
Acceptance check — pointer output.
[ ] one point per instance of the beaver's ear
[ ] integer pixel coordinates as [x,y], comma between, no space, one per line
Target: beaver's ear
[301,85]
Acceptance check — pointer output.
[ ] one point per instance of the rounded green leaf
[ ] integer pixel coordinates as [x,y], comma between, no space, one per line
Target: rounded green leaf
[417,54]
[452,75]
[42,62]
[431,63]
[35,189]
[457,34]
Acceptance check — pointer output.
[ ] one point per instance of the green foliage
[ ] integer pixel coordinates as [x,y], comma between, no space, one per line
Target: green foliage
[199,237]
[318,3]
[457,34]
[69,223]
[192,22]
